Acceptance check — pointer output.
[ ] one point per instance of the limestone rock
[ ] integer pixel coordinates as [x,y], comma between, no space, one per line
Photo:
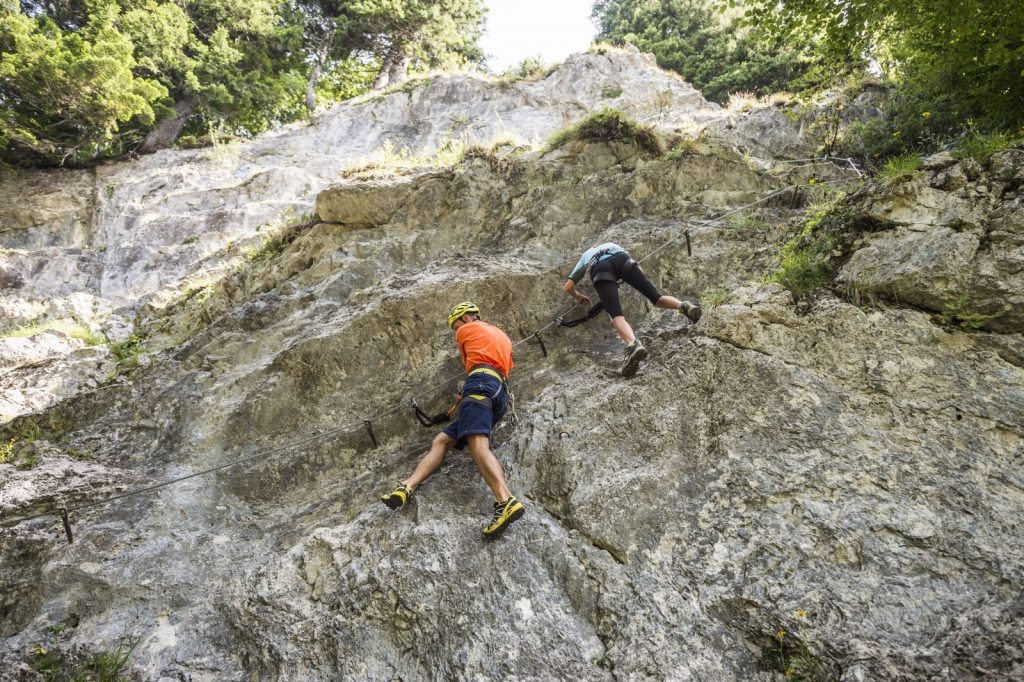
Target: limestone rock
[847,477]
[950,242]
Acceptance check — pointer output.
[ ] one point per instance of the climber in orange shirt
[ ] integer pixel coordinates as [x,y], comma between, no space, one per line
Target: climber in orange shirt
[487,354]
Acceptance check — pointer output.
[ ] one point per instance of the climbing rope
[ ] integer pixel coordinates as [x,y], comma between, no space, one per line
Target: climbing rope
[64,511]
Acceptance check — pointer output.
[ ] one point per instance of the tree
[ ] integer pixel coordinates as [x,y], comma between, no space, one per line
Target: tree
[65,94]
[965,55]
[235,62]
[707,46]
[393,33]
[83,79]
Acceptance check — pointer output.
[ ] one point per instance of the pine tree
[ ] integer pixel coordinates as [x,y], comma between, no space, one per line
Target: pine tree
[707,46]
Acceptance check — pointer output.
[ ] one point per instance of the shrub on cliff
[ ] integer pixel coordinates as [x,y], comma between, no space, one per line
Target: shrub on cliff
[609,125]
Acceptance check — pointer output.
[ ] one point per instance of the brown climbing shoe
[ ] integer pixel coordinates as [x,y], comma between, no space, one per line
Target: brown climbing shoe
[691,311]
[635,354]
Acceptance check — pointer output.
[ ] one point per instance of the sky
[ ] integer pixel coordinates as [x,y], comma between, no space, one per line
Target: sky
[548,29]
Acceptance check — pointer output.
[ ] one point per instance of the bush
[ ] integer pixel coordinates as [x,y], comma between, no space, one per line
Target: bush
[802,267]
[609,125]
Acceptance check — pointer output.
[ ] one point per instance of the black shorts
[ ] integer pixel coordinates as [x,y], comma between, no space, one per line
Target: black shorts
[608,291]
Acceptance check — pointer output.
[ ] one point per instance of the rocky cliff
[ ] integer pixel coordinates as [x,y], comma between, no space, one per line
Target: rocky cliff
[822,486]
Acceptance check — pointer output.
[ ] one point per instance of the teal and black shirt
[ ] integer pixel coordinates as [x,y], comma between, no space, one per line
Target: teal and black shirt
[592,257]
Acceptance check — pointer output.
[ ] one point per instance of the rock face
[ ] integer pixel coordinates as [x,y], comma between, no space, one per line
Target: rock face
[820,489]
[949,239]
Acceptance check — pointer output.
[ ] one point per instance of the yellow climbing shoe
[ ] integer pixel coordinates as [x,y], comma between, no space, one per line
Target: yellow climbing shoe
[504,514]
[397,498]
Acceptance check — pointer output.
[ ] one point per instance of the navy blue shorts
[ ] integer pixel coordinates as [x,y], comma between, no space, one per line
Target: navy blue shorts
[484,401]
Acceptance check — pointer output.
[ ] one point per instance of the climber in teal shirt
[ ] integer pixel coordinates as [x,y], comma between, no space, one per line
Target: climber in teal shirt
[608,264]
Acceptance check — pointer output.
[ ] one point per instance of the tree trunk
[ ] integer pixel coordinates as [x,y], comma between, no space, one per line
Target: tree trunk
[398,69]
[166,132]
[393,70]
[314,78]
[322,54]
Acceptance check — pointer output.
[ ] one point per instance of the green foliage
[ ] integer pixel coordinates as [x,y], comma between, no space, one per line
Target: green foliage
[20,457]
[899,167]
[530,69]
[791,657]
[86,80]
[681,146]
[747,222]
[803,263]
[609,125]
[948,63]
[704,44]
[388,162]
[715,297]
[100,666]
[396,34]
[70,328]
[7,452]
[65,94]
[801,267]
[78,453]
[507,165]
[347,78]
[285,230]
[981,146]
[957,313]
[127,352]
[611,91]
[48,663]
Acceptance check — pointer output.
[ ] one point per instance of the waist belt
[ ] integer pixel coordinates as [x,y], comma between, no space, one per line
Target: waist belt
[487,369]
[606,276]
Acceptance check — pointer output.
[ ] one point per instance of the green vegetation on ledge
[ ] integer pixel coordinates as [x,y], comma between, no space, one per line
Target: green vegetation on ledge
[609,125]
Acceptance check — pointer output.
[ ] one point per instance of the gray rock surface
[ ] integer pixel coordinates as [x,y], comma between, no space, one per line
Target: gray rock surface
[847,477]
[98,246]
[949,239]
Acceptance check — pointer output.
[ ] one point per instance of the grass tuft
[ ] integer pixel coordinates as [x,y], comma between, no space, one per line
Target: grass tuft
[715,297]
[100,666]
[801,268]
[981,146]
[803,259]
[529,70]
[900,167]
[73,329]
[609,125]
[127,352]
[957,313]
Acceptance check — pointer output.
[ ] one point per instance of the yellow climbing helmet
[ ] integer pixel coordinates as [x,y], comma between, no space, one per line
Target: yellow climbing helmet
[460,310]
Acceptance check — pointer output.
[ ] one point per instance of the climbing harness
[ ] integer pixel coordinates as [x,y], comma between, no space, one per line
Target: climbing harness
[605,276]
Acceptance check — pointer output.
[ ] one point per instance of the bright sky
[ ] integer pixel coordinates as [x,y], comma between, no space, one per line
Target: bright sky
[548,29]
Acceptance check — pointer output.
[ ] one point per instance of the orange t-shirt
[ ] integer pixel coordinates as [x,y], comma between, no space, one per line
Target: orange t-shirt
[484,344]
